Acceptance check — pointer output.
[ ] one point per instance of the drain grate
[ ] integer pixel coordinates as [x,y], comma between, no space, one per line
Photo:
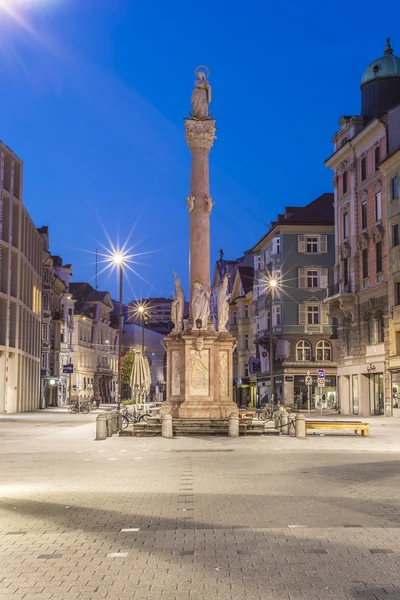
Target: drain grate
[380,551]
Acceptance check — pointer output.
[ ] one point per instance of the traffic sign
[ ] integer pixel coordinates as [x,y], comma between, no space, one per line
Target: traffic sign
[308,380]
[321,382]
[321,373]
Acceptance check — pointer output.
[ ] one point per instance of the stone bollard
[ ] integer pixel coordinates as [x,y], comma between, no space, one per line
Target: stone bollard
[300,425]
[109,429]
[277,418]
[101,426]
[114,423]
[233,430]
[285,423]
[292,418]
[119,421]
[166,426]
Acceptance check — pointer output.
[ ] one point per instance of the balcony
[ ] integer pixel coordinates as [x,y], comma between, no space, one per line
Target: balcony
[334,289]
[341,300]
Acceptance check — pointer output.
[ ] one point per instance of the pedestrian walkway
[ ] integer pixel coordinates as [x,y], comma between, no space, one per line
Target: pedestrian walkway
[202,518]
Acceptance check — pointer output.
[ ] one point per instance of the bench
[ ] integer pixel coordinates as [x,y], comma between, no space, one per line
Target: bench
[356,426]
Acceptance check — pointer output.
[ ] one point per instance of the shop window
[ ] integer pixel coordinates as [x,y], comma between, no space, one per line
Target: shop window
[303,351]
[324,351]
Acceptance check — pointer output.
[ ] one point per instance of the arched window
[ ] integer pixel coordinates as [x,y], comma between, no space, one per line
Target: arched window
[303,350]
[379,327]
[324,350]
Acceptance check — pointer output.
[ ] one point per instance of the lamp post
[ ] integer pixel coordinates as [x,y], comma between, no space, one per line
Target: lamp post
[118,260]
[272,284]
[141,312]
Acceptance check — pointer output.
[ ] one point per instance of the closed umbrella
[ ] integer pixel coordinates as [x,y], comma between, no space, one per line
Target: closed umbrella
[140,376]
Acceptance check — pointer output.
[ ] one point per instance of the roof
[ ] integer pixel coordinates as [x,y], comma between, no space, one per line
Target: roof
[387,65]
[246,277]
[318,212]
[84,292]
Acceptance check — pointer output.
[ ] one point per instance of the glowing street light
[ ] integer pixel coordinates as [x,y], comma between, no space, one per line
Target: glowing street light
[272,285]
[118,260]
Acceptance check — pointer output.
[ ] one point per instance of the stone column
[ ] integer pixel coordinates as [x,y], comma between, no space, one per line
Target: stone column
[200,137]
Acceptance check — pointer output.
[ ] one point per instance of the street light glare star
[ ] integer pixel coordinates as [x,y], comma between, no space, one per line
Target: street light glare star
[118,258]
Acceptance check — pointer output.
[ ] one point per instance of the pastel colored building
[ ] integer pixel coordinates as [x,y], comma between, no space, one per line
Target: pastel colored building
[360,297]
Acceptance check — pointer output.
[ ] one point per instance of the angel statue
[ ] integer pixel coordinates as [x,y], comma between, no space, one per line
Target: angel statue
[190,203]
[223,303]
[200,304]
[178,305]
[201,95]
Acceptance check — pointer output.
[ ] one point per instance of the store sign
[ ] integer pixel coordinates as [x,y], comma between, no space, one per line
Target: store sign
[254,366]
[68,369]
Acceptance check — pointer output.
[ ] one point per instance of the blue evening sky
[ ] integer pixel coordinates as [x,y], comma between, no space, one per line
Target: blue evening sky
[93,96]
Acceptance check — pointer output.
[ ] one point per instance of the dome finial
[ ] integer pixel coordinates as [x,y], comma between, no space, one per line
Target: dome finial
[388,48]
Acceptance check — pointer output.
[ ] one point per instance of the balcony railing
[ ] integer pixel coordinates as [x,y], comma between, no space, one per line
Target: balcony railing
[340,288]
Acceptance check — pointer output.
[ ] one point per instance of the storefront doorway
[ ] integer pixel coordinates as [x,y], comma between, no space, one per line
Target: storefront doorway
[315,396]
[376,394]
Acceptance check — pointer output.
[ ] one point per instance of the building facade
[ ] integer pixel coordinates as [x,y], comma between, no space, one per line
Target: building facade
[361,298]
[94,345]
[298,253]
[20,293]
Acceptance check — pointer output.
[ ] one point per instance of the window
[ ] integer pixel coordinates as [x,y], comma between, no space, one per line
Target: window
[378,206]
[46,275]
[276,316]
[45,302]
[344,182]
[395,188]
[246,370]
[234,317]
[312,245]
[397,293]
[395,235]
[44,360]
[324,350]
[312,279]
[62,337]
[346,271]
[363,168]
[377,157]
[369,325]
[246,341]
[378,249]
[313,314]
[246,311]
[44,331]
[365,263]
[303,350]
[258,263]
[276,245]
[364,215]
[345,225]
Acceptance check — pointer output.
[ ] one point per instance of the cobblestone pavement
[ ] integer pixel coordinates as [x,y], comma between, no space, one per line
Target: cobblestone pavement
[196,518]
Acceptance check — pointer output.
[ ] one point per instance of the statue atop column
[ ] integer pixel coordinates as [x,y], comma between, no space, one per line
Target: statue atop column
[223,303]
[201,95]
[200,304]
[178,305]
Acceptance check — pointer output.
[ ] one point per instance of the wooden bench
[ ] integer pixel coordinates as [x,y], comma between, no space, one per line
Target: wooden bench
[356,426]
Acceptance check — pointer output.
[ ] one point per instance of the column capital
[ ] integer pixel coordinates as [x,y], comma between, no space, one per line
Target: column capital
[200,134]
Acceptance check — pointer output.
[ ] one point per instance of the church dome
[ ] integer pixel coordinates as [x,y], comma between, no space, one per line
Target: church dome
[380,84]
[386,66]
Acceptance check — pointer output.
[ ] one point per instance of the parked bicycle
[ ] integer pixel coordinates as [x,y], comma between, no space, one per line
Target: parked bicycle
[128,418]
[266,411]
[76,408]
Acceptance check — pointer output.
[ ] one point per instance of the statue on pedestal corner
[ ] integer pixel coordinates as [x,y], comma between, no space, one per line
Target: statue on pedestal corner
[223,303]
[201,95]
[178,305]
[200,304]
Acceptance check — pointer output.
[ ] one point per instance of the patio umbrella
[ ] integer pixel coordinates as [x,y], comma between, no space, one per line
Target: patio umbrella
[140,376]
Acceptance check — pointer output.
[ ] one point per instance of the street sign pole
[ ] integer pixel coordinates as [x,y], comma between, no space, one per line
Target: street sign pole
[309,393]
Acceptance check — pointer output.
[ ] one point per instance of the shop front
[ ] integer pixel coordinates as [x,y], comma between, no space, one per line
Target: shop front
[313,396]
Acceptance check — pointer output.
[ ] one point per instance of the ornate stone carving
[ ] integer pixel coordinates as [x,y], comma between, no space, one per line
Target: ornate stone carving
[377,233]
[178,305]
[345,250]
[223,303]
[201,95]
[199,372]
[363,241]
[200,304]
[395,259]
[190,203]
[347,306]
[176,373]
[223,373]
[209,204]
[200,134]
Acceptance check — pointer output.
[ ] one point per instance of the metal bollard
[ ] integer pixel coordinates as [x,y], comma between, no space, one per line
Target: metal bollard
[233,430]
[166,426]
[300,426]
[291,428]
[285,423]
[114,423]
[101,427]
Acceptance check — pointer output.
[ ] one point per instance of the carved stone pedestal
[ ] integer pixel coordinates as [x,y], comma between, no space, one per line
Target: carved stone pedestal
[199,375]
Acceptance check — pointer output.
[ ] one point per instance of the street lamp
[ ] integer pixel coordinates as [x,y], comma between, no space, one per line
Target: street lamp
[141,313]
[118,260]
[272,285]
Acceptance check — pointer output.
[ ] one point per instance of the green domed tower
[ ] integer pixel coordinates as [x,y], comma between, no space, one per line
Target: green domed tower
[380,84]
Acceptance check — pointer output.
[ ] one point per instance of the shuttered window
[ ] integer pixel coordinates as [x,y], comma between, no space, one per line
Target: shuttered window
[302,314]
